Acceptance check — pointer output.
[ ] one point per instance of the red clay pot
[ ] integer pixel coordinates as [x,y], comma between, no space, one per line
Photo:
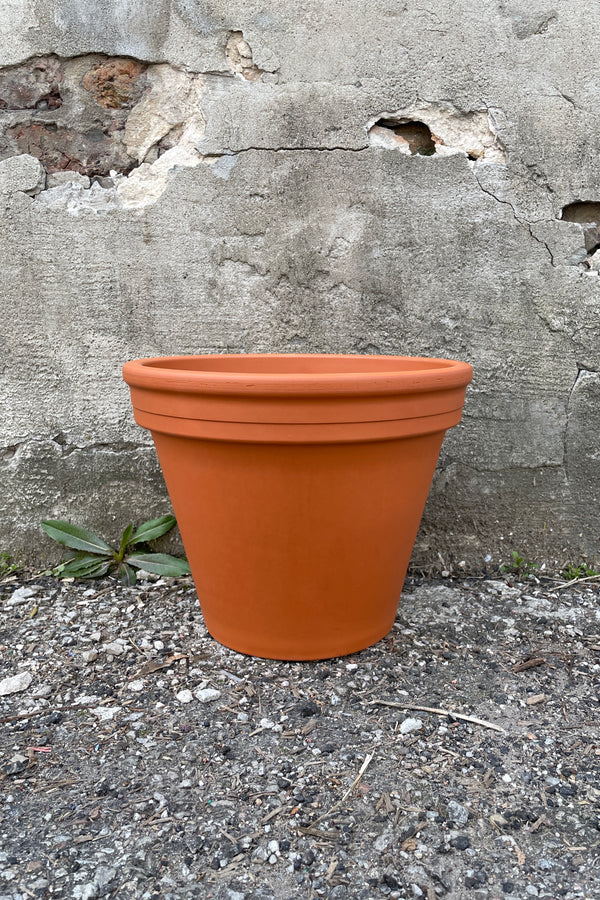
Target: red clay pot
[298,483]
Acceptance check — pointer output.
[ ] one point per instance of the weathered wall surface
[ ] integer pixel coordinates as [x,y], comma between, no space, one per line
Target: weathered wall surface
[413,178]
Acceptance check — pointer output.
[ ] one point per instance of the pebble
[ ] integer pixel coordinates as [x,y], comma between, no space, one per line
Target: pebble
[410,725]
[385,840]
[89,656]
[460,842]
[106,713]
[185,696]
[17,764]
[502,588]
[136,686]
[41,692]
[207,695]
[21,595]
[15,683]
[114,647]
[457,813]
[266,723]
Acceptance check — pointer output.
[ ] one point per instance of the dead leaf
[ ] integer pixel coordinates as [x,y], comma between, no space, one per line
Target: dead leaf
[535,698]
[538,823]
[154,665]
[497,819]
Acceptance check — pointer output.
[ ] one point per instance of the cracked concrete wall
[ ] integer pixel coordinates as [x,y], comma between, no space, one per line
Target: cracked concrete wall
[192,176]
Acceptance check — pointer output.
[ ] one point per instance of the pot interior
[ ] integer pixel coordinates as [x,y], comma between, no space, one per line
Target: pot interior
[298,364]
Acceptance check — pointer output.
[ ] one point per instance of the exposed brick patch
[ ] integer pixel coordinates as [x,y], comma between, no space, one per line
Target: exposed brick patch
[117,83]
[33,85]
[90,153]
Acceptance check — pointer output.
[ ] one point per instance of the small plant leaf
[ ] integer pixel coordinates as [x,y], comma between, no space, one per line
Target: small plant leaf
[90,567]
[125,539]
[160,564]
[153,529]
[126,574]
[75,537]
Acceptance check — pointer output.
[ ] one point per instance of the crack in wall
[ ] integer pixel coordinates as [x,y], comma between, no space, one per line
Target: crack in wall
[522,222]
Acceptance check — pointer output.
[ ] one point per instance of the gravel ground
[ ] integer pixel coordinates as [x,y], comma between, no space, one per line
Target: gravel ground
[459,757]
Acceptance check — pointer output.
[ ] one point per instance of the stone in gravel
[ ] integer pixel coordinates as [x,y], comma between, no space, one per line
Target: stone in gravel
[17,764]
[501,587]
[136,686]
[21,595]
[460,842]
[98,887]
[185,696]
[410,725]
[89,656]
[384,840]
[15,683]
[307,709]
[206,695]
[41,692]
[114,647]
[457,813]
[106,713]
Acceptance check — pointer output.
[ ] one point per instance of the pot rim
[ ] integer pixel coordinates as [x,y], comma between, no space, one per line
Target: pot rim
[406,374]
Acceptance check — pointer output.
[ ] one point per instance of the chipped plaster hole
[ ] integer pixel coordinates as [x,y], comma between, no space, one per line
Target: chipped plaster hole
[585,213]
[119,130]
[413,138]
[239,57]
[438,130]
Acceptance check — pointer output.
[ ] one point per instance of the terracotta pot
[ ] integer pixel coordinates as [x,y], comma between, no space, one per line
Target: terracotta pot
[298,483]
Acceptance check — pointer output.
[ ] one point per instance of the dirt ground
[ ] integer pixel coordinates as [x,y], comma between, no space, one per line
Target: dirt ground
[457,758]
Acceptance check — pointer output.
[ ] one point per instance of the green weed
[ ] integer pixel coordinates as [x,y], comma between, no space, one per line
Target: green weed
[572,573]
[88,556]
[519,565]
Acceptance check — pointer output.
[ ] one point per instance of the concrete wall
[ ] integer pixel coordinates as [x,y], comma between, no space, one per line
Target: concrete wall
[200,176]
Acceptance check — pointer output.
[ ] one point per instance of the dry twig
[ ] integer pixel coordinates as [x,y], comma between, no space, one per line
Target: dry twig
[573,581]
[438,712]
